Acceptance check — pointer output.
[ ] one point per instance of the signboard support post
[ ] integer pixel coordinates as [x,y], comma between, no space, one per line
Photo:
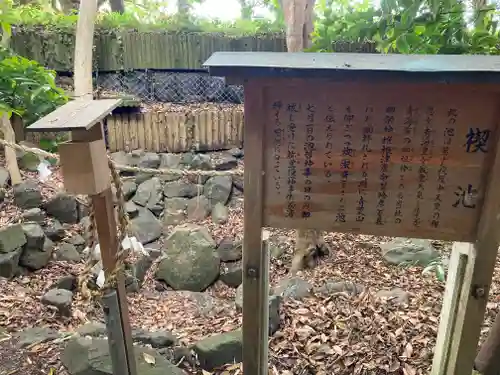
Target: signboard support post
[255,257]
[478,277]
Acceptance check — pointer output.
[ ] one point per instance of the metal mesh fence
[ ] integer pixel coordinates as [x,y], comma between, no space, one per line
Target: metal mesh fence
[152,86]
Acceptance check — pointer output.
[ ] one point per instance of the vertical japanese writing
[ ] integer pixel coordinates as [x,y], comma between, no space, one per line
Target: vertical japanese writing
[410,122]
[385,157]
[423,171]
[448,134]
[292,110]
[278,134]
[477,140]
[309,147]
[365,149]
[345,163]
[330,122]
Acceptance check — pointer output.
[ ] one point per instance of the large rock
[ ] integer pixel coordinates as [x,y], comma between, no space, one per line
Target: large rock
[170,161]
[149,194]
[175,211]
[157,339]
[189,262]
[220,213]
[129,188]
[34,258]
[225,162]
[36,335]
[218,189]
[231,274]
[292,287]
[182,189]
[9,263]
[11,238]
[27,195]
[35,237]
[201,161]
[60,299]
[149,160]
[63,207]
[146,227]
[230,250]
[409,251]
[54,230]
[83,356]
[68,252]
[34,214]
[274,308]
[198,208]
[136,272]
[219,349]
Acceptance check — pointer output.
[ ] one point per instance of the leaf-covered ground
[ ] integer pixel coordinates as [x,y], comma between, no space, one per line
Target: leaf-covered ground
[336,334]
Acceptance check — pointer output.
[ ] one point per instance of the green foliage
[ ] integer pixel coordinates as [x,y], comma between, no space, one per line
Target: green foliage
[27,88]
[138,18]
[408,26]
[343,20]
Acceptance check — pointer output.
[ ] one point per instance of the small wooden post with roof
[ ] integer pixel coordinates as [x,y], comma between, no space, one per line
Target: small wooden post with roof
[85,169]
[393,145]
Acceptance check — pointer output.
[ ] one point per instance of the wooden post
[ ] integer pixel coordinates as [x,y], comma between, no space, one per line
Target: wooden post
[88,174]
[255,258]
[457,287]
[470,315]
[120,343]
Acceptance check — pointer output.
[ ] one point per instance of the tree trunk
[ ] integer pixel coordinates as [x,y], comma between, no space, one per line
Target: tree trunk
[10,153]
[9,135]
[488,359]
[183,7]
[84,43]
[298,15]
[117,6]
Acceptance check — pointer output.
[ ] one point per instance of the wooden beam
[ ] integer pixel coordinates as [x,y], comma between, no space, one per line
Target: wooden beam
[80,114]
[255,258]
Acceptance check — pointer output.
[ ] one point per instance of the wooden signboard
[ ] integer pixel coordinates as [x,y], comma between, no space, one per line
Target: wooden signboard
[388,145]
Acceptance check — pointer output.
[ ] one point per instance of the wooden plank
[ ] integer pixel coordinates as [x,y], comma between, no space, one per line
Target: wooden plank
[460,255]
[147,125]
[76,114]
[111,124]
[141,132]
[255,258]
[471,311]
[156,132]
[108,241]
[370,66]
[398,163]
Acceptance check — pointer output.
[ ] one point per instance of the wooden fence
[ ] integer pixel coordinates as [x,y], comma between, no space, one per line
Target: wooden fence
[129,50]
[206,129]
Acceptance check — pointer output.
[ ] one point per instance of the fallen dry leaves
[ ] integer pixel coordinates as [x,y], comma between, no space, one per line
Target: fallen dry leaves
[336,334]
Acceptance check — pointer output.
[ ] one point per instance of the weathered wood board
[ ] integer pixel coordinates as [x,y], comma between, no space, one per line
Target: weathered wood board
[377,159]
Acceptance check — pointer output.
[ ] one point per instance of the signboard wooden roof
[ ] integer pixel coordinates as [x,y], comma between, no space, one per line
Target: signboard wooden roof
[79,114]
[456,68]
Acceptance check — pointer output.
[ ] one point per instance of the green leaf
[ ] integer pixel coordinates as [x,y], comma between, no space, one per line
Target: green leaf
[419,29]
[402,44]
